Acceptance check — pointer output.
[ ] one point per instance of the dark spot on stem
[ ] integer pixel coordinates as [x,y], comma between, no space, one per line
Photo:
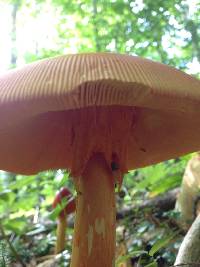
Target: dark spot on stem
[143,149]
[114,166]
[79,193]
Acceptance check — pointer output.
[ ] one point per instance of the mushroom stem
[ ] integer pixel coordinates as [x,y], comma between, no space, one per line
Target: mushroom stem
[70,207]
[94,235]
[60,243]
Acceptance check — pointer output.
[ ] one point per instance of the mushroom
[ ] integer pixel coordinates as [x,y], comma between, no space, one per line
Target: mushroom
[97,115]
[188,198]
[63,195]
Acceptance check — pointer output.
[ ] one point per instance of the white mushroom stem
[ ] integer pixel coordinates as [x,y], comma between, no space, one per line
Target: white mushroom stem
[94,236]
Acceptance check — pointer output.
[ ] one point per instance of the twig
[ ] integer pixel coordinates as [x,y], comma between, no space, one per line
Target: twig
[11,246]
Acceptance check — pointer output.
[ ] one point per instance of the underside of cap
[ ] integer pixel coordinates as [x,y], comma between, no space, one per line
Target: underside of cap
[155,109]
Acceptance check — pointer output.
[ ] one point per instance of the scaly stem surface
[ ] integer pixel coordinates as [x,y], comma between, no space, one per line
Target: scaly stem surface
[94,236]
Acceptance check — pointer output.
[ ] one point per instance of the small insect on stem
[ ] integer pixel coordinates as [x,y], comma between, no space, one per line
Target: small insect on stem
[114,166]
[79,193]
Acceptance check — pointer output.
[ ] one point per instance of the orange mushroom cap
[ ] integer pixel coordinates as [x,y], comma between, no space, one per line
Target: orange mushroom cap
[56,113]
[60,195]
[70,206]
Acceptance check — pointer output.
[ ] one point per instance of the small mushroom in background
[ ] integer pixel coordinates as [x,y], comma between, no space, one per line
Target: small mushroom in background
[189,196]
[97,115]
[63,195]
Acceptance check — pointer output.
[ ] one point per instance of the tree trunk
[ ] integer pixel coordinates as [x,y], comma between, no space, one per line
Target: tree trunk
[95,26]
[13,60]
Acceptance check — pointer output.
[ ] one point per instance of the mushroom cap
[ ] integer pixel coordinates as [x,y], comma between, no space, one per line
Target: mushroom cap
[155,110]
[60,195]
[70,206]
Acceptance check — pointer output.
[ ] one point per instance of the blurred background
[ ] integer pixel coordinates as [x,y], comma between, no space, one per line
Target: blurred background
[164,31]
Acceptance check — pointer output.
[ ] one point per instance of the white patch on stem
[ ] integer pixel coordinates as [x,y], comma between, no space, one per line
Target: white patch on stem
[100,226]
[88,208]
[90,239]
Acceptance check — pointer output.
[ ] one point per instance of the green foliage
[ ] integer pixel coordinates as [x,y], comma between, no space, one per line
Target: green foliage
[158,178]
[162,243]
[166,31]
[128,256]
[5,258]
[22,201]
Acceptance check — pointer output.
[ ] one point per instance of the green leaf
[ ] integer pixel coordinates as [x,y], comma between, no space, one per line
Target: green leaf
[162,243]
[165,184]
[17,225]
[130,255]
[5,195]
[152,264]
[63,180]
[23,181]
[55,212]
